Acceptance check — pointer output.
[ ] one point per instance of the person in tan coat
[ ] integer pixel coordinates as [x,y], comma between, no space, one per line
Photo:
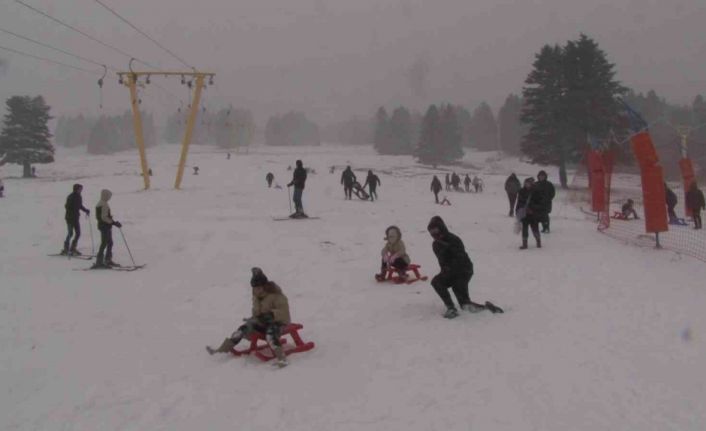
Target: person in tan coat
[270,311]
[394,254]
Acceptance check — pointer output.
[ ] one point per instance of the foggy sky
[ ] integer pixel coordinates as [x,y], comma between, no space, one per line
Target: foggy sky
[336,58]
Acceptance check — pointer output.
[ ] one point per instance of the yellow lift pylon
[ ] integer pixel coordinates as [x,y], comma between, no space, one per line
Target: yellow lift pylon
[131,80]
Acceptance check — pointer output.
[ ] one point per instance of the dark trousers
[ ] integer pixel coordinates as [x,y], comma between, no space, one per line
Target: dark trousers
[545,223]
[373,193]
[436,197]
[348,191]
[512,198]
[297,198]
[399,264]
[106,245]
[271,330]
[530,222]
[457,282]
[696,214]
[73,229]
[672,214]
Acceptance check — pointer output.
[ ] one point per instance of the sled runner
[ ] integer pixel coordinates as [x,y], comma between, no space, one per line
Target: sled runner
[617,215]
[360,191]
[391,275]
[264,351]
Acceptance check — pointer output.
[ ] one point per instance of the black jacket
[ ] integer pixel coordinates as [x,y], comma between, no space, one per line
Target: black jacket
[449,251]
[436,185]
[695,199]
[74,204]
[373,180]
[298,178]
[348,177]
[512,185]
[671,197]
[535,206]
[546,191]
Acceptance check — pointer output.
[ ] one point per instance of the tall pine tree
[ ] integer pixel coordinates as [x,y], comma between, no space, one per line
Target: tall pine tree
[510,128]
[483,129]
[24,139]
[400,132]
[381,134]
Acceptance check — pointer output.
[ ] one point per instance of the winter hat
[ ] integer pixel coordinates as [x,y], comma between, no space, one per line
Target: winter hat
[258,277]
[540,173]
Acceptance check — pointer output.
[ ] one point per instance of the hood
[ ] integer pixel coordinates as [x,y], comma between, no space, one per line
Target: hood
[77,187]
[106,195]
[512,175]
[540,173]
[395,228]
[438,222]
[300,164]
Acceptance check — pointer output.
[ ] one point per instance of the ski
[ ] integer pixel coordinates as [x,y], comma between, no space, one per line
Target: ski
[294,218]
[78,256]
[112,268]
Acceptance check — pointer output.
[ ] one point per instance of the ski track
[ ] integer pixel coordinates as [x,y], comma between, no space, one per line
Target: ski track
[596,335]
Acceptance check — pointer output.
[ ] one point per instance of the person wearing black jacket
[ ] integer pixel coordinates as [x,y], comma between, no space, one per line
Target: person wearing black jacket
[456,269]
[695,202]
[269,178]
[373,181]
[546,189]
[436,187]
[671,201]
[347,179]
[529,211]
[298,181]
[512,187]
[73,206]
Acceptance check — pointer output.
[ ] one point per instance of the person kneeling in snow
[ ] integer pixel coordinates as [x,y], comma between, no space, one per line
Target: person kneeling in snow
[394,254]
[270,311]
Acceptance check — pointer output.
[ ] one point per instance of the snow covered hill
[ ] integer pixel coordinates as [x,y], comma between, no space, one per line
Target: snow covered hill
[597,335]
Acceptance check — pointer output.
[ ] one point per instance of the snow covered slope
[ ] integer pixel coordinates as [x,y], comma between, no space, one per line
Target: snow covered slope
[597,335]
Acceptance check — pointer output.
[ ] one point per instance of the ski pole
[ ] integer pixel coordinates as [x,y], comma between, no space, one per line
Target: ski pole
[90,229]
[289,200]
[126,246]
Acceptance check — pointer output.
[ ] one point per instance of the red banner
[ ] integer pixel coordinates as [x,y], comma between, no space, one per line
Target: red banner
[653,193]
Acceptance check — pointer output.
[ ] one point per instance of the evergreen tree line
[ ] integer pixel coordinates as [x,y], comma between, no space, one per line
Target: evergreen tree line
[104,134]
[226,128]
[25,137]
[291,129]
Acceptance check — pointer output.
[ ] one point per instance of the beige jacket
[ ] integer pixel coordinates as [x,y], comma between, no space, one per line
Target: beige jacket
[273,301]
[395,250]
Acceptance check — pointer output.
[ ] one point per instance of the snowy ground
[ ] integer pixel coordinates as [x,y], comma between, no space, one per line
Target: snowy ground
[597,335]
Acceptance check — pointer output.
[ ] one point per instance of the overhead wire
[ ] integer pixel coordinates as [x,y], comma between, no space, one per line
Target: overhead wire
[50,60]
[58,21]
[144,34]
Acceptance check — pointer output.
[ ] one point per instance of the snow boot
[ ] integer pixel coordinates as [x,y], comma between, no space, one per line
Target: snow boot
[380,277]
[75,252]
[110,264]
[281,360]
[64,252]
[226,347]
[450,313]
[472,308]
[524,244]
[539,241]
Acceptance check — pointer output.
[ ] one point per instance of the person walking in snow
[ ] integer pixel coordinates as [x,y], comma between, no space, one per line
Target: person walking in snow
[546,189]
[269,178]
[73,207]
[436,187]
[456,269]
[695,202]
[347,179]
[105,226]
[373,181]
[455,182]
[512,187]
[529,211]
[394,255]
[448,182]
[270,312]
[671,201]
[298,181]
[467,183]
[477,184]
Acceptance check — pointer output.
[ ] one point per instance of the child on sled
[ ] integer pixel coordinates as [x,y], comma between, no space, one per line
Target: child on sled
[394,254]
[270,312]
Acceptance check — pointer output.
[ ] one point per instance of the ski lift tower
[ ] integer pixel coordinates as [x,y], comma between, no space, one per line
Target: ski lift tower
[196,83]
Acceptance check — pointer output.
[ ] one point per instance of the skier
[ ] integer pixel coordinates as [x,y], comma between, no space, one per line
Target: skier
[671,201]
[456,269]
[269,178]
[394,254]
[105,226]
[298,181]
[512,187]
[628,209]
[373,181]
[695,202]
[547,192]
[448,182]
[347,179]
[436,187]
[73,206]
[477,184]
[270,311]
[467,183]
[529,211]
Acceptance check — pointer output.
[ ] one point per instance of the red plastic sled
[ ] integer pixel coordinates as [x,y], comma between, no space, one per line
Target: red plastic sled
[391,275]
[264,351]
[619,215]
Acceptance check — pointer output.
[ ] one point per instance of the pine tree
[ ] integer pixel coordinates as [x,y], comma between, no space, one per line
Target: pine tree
[464,119]
[510,128]
[483,129]
[430,147]
[451,134]
[400,132]
[381,136]
[25,137]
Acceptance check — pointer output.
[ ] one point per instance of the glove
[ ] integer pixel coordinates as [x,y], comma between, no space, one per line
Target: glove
[117,224]
[289,185]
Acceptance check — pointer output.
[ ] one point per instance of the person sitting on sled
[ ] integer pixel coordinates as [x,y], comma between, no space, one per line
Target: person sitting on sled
[270,312]
[628,209]
[394,254]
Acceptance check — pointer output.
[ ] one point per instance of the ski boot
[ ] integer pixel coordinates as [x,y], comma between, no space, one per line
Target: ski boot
[100,265]
[64,252]
[74,252]
[109,263]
